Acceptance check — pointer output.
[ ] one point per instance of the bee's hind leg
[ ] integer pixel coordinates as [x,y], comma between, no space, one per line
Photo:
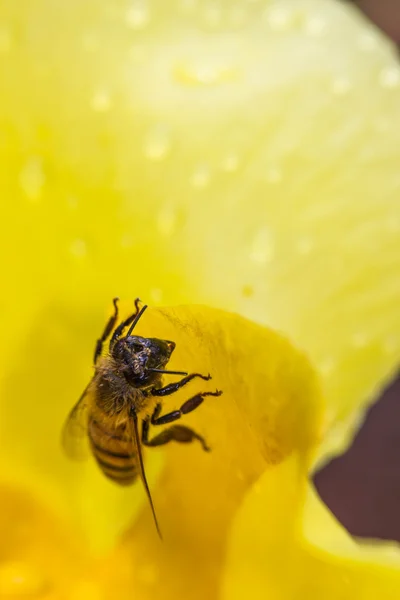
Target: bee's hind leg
[175,433]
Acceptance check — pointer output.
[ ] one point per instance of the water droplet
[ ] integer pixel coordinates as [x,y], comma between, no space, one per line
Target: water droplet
[359,339]
[101,100]
[390,76]
[201,176]
[90,42]
[305,245]
[188,5]
[393,224]
[127,241]
[72,202]
[138,15]
[367,42]
[205,74]
[327,365]
[31,178]
[5,40]
[156,295]
[262,249]
[78,248]
[315,26]
[273,175]
[391,345]
[278,18]
[18,579]
[157,143]
[230,163]
[340,86]
[166,221]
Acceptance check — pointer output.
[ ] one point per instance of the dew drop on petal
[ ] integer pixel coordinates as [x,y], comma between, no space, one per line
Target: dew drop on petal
[278,18]
[262,248]
[72,203]
[273,175]
[393,224]
[20,580]
[359,339]
[90,42]
[166,221]
[391,345]
[101,100]
[315,26]
[78,248]
[390,77]
[156,295]
[157,143]
[201,176]
[327,365]
[138,14]
[367,42]
[305,245]
[230,163]
[340,86]
[31,178]
[5,40]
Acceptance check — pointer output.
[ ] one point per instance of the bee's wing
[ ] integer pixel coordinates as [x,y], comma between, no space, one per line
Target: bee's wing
[133,432]
[74,434]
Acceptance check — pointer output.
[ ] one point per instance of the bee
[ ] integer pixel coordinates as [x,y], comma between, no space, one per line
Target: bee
[114,411]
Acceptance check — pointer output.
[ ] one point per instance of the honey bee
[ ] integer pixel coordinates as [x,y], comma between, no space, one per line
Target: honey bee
[114,411]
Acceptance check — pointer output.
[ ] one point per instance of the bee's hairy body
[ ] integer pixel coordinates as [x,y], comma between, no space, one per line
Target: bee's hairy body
[120,397]
[110,435]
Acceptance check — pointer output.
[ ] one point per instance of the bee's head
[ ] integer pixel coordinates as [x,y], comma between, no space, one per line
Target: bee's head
[140,359]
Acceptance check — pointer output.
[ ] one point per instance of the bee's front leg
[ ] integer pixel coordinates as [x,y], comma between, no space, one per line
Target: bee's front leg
[171,388]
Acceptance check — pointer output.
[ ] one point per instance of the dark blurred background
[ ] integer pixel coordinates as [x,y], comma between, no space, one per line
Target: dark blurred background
[362,487]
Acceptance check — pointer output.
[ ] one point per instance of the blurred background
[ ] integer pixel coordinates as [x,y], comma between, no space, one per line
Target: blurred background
[362,487]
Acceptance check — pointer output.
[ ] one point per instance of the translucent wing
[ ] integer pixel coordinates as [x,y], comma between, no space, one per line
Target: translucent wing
[74,434]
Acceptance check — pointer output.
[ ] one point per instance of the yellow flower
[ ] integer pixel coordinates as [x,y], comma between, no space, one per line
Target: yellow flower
[241,155]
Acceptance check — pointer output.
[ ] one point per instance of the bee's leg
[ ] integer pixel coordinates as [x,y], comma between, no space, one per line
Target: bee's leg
[186,408]
[175,433]
[171,388]
[119,330]
[107,330]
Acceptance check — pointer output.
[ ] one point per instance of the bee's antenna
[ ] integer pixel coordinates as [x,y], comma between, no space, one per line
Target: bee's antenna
[136,319]
[168,372]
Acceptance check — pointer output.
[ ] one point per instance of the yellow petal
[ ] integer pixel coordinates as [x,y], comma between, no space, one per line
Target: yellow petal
[285,544]
[145,132]
[244,155]
[270,410]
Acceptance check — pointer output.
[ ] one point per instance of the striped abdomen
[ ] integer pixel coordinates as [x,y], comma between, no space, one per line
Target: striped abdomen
[113,449]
